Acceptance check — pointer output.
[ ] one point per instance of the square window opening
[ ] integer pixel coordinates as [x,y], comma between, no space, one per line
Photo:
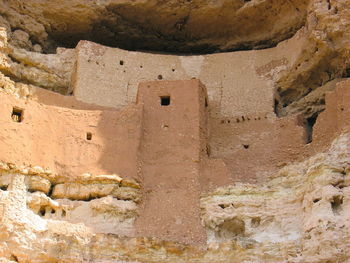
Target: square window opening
[165,100]
[17,114]
[89,136]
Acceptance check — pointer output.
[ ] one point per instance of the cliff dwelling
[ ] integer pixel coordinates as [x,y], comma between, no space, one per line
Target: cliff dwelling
[174,131]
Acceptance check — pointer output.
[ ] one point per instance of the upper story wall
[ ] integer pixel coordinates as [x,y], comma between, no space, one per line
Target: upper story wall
[238,83]
[175,114]
[58,137]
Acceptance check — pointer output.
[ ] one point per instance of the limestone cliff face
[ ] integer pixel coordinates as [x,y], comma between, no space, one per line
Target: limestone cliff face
[324,56]
[51,71]
[298,214]
[190,26]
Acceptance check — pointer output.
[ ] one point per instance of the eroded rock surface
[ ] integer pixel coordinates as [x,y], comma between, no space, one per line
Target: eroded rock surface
[261,103]
[180,26]
[301,212]
[298,215]
[325,52]
[198,26]
[50,71]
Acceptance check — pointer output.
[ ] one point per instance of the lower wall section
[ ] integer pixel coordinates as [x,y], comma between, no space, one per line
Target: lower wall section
[253,147]
[70,142]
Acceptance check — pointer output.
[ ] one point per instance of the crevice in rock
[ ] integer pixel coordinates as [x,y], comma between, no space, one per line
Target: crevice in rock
[42,211]
[313,103]
[316,200]
[49,194]
[4,187]
[255,222]
[309,125]
[231,228]
[14,258]
[337,204]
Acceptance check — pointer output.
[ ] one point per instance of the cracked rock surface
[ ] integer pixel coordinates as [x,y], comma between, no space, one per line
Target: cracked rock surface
[171,26]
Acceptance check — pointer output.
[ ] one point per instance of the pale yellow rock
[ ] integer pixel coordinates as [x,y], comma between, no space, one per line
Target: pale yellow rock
[36,170]
[3,38]
[114,206]
[37,183]
[39,201]
[51,71]
[127,193]
[301,214]
[4,166]
[77,191]
[103,178]
[130,183]
[106,177]
[5,179]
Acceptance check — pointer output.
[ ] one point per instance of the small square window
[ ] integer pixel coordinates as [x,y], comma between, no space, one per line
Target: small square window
[17,114]
[165,100]
[89,136]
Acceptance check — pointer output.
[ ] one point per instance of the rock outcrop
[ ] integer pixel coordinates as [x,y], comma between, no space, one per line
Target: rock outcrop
[298,215]
[178,26]
[193,26]
[262,183]
[324,56]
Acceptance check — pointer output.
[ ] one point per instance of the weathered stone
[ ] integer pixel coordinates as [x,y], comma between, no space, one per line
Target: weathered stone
[36,170]
[192,26]
[127,193]
[130,183]
[214,168]
[37,183]
[298,211]
[78,191]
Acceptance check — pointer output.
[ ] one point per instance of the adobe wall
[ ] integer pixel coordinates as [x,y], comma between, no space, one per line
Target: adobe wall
[335,119]
[173,140]
[177,151]
[251,147]
[254,146]
[248,147]
[56,137]
[238,83]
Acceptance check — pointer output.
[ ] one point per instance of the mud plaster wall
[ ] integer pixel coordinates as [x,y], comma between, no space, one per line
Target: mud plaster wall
[238,83]
[246,149]
[254,146]
[171,152]
[172,143]
[335,119]
[56,137]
